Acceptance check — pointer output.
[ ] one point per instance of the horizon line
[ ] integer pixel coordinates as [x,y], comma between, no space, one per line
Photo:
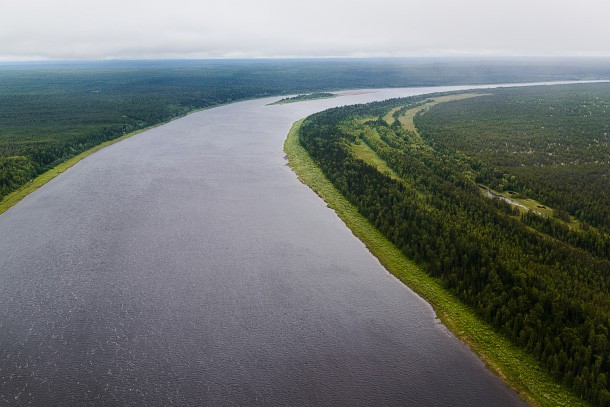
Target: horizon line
[296,58]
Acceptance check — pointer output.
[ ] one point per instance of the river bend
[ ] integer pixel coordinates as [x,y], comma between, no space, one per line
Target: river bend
[187,265]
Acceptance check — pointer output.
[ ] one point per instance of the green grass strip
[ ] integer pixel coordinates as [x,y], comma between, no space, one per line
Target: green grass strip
[518,369]
[368,155]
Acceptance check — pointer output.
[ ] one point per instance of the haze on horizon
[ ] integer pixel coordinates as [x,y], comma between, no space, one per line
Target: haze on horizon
[154,29]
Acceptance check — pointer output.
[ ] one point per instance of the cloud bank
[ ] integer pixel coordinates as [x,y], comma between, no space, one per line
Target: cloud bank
[70,29]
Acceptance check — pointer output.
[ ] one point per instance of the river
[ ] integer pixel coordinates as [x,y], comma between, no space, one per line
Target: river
[187,265]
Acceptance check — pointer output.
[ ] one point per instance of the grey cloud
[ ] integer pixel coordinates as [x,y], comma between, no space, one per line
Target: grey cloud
[70,29]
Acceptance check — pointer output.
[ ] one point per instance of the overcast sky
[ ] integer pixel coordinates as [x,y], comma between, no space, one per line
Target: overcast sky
[94,29]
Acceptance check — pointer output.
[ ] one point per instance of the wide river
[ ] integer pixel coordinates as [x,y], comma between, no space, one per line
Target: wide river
[187,265]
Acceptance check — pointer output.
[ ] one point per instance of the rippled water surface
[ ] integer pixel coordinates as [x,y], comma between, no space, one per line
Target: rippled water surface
[187,265]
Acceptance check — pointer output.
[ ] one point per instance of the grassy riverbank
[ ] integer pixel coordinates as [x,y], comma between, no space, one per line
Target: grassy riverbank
[518,369]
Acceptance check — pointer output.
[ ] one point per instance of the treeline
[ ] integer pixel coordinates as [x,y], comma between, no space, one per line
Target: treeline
[542,286]
[14,172]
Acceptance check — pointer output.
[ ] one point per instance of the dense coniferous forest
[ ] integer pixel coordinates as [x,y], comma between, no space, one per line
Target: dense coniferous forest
[50,112]
[549,143]
[542,281]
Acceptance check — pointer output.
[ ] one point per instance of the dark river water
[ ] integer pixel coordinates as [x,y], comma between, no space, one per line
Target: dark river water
[187,265]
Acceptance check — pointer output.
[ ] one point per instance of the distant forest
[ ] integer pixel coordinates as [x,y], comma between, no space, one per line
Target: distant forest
[542,279]
[50,112]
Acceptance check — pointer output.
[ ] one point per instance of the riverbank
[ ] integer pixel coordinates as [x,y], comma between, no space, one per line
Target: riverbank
[518,369]
[14,197]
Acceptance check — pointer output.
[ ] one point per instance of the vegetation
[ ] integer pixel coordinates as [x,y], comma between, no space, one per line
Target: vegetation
[551,144]
[537,281]
[51,112]
[519,369]
[307,96]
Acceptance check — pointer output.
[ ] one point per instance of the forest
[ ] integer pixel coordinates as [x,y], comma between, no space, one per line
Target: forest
[543,281]
[50,112]
[549,143]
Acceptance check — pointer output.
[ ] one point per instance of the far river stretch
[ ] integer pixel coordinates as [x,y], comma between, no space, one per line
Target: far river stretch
[187,265]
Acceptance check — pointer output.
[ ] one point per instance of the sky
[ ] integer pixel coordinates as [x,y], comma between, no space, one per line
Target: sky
[154,29]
